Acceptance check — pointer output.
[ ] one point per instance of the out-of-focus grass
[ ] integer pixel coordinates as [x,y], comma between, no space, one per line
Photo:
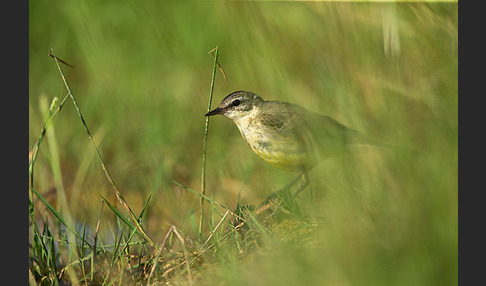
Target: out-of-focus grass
[142,77]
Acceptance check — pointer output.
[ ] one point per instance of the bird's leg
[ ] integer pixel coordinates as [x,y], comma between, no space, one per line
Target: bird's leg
[304,178]
[284,196]
[285,189]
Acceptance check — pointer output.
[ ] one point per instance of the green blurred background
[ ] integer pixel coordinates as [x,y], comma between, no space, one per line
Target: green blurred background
[142,77]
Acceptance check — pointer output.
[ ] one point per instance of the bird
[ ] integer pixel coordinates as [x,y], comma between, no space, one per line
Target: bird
[286,135]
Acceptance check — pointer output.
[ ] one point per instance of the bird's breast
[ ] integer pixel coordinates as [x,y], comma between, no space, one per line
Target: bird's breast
[284,152]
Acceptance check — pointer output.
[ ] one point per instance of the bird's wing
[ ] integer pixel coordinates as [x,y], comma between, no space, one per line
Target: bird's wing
[326,136]
[284,126]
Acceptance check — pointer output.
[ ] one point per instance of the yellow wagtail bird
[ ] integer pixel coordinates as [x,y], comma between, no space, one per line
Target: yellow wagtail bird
[286,135]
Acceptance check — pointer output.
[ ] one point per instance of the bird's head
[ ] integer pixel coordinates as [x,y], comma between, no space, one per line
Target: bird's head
[237,104]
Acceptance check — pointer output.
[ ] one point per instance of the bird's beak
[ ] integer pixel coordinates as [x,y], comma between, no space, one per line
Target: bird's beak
[217,110]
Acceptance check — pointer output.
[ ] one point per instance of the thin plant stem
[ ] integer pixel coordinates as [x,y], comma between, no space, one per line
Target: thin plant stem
[206,126]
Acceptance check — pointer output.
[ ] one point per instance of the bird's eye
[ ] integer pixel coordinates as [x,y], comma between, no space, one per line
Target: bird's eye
[236,102]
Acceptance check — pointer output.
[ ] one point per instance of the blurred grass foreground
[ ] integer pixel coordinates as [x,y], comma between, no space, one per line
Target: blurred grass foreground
[141,79]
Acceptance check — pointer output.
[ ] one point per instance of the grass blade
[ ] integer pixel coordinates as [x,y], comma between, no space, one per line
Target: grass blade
[210,200]
[57,215]
[119,215]
[103,165]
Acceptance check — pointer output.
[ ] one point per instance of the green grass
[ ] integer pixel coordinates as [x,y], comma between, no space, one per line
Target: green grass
[141,80]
